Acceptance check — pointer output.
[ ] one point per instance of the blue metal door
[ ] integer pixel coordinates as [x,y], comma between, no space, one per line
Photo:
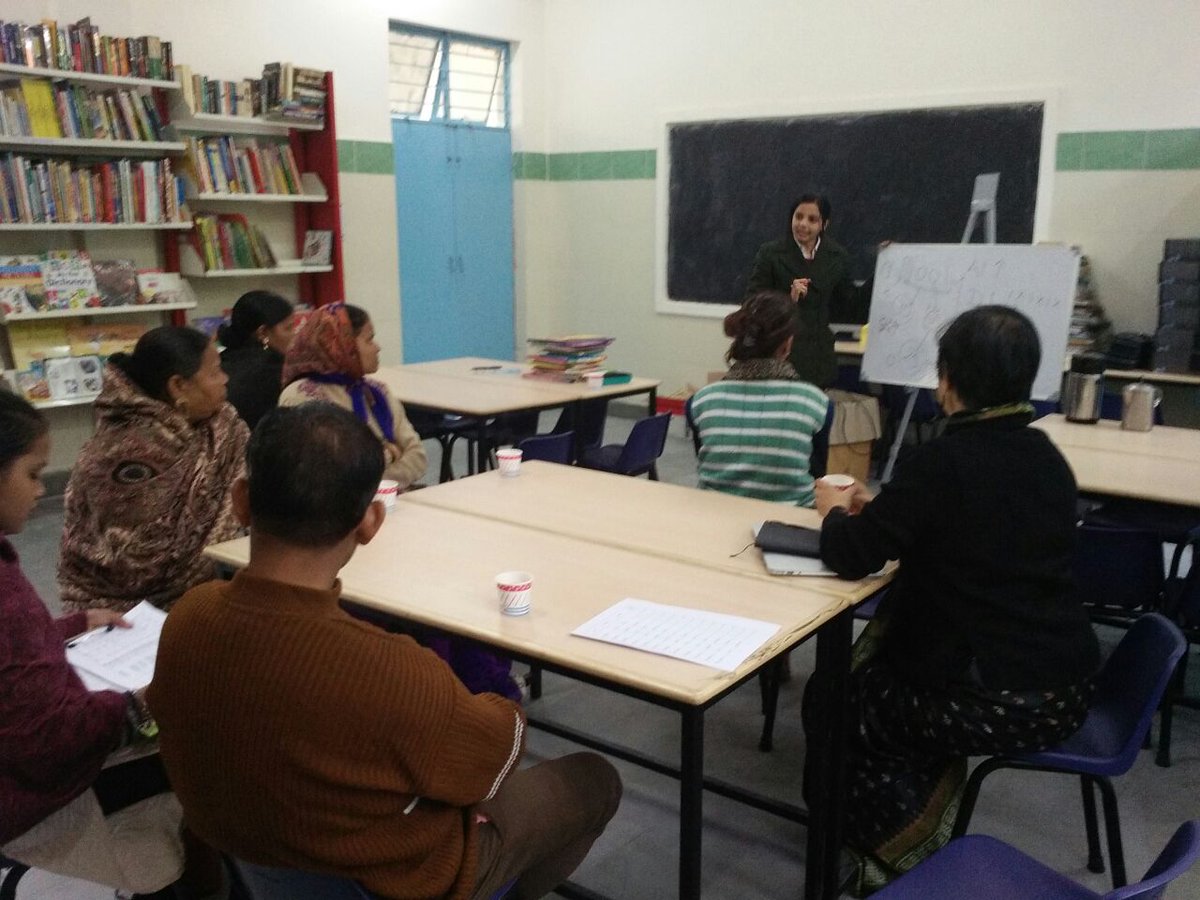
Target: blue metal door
[454,223]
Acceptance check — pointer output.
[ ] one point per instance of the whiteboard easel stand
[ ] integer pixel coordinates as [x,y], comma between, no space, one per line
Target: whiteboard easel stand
[983,203]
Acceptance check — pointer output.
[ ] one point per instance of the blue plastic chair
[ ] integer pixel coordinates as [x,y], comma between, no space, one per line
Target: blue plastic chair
[555,448]
[270,883]
[1118,572]
[638,455]
[13,872]
[1181,604]
[1128,690]
[983,868]
[592,417]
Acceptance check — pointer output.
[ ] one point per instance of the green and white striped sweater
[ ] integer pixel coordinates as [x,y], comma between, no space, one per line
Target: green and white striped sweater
[756,437]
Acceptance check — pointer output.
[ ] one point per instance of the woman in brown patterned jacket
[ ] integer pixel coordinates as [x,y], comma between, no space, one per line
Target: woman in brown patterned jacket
[151,488]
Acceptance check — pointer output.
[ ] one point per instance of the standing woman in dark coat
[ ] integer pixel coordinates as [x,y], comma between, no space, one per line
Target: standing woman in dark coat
[815,270]
[256,339]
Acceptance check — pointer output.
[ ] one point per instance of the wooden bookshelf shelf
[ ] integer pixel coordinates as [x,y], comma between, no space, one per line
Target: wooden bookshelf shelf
[314,192]
[90,147]
[89,78]
[285,268]
[129,310]
[95,226]
[59,404]
[212,123]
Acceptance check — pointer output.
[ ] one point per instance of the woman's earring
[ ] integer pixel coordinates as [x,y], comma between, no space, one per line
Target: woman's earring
[266,343]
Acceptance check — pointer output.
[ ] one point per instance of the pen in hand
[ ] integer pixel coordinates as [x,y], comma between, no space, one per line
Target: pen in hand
[103,629]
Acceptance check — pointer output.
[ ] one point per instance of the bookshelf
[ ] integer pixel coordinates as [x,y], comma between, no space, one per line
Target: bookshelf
[94,177]
[316,207]
[89,79]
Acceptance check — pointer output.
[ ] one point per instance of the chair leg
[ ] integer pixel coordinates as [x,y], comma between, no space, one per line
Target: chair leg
[1095,861]
[535,682]
[1167,712]
[970,795]
[654,473]
[446,471]
[1112,825]
[8,888]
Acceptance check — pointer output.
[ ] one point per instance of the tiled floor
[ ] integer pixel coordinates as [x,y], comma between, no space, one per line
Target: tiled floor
[750,855]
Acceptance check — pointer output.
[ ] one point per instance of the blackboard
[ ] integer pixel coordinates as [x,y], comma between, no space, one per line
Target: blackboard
[919,288]
[903,175]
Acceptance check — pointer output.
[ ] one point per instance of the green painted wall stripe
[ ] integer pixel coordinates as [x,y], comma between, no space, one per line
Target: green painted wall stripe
[1095,151]
[1075,151]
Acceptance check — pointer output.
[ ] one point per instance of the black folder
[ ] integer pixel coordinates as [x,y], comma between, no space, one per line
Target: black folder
[794,540]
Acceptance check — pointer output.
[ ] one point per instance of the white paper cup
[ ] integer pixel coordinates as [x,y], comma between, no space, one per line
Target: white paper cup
[841,482]
[594,379]
[388,492]
[514,590]
[509,460]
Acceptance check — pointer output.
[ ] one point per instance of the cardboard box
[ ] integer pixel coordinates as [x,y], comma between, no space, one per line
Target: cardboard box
[856,426]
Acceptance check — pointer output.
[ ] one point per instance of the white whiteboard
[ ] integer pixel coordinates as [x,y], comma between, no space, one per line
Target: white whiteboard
[919,288]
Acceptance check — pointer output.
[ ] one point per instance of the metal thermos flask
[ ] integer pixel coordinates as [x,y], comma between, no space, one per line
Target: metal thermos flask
[1085,388]
[1137,406]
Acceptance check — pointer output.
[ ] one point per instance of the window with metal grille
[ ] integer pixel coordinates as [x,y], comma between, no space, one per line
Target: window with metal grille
[437,76]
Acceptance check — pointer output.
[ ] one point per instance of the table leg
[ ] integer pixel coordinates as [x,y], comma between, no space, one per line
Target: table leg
[691,803]
[479,464]
[827,758]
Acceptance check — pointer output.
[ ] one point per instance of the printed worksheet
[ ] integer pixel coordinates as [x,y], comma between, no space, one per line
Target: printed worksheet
[710,639]
[122,657]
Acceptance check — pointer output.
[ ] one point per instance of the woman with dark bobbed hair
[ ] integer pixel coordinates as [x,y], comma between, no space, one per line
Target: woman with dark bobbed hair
[150,489]
[980,646]
[256,339]
[814,270]
[756,425]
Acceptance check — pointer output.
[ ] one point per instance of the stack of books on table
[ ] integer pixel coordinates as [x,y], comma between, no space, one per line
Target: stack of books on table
[567,358]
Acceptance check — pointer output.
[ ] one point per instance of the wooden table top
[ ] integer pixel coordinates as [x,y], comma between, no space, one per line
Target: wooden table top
[701,528]
[437,567]
[1108,435]
[1113,473]
[466,398]
[489,374]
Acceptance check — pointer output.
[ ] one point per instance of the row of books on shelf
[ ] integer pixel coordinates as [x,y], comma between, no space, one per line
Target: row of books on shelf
[230,242]
[120,192]
[221,165]
[72,280]
[80,47]
[59,361]
[36,108]
[284,91]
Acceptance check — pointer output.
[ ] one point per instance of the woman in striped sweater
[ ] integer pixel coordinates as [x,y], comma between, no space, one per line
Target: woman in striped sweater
[756,425]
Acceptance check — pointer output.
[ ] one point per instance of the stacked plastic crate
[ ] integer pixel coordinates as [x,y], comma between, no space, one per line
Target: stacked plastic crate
[1176,346]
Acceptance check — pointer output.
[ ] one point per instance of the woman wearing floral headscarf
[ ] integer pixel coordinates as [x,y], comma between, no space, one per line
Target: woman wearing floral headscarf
[329,360]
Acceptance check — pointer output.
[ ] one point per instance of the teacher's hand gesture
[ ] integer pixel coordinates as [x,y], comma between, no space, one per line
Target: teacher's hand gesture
[800,288]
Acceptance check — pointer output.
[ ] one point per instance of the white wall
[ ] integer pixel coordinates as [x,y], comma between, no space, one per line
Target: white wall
[621,69]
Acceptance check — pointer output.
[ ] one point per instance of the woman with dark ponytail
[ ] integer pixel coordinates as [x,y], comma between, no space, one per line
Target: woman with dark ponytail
[150,490]
[256,339]
[757,424]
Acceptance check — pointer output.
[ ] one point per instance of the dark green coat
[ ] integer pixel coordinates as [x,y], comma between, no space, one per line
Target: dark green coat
[832,296]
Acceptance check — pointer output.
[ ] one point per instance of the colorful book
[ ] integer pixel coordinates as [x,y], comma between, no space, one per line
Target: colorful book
[69,280]
[116,281]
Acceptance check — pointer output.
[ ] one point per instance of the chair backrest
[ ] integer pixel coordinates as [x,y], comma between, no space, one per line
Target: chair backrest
[271,883]
[1132,682]
[590,425]
[646,441]
[1176,858]
[691,423]
[818,459]
[1118,568]
[1181,599]
[554,448]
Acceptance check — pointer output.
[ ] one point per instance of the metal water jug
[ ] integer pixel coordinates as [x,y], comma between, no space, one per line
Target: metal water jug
[1085,388]
[1138,401]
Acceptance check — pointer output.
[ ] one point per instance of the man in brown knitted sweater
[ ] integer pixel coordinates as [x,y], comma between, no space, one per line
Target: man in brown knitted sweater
[296,735]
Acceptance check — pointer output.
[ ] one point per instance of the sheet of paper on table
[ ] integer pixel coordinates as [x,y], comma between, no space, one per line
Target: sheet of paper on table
[121,659]
[710,639]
